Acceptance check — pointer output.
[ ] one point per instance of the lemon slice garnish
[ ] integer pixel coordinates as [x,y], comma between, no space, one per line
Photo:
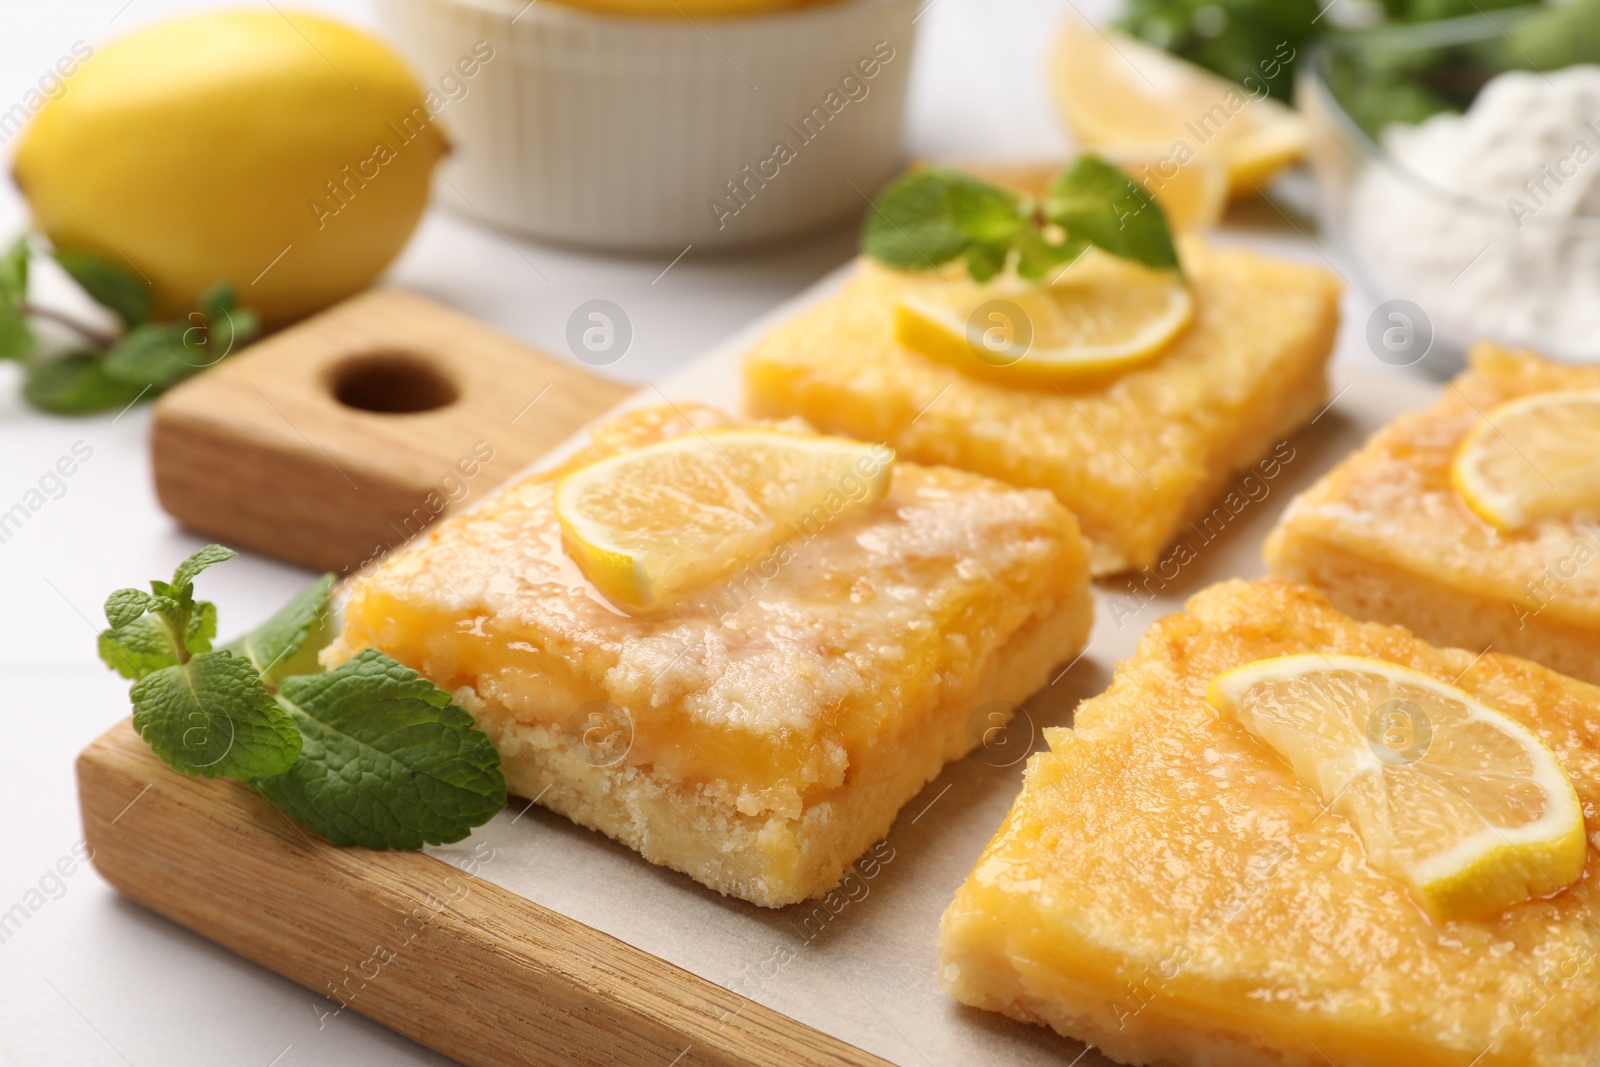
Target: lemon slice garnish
[646,525]
[1099,316]
[1531,459]
[1118,93]
[1466,807]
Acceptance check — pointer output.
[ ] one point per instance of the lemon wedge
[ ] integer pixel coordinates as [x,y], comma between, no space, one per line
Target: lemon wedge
[1531,459]
[1100,315]
[648,524]
[1466,807]
[1121,95]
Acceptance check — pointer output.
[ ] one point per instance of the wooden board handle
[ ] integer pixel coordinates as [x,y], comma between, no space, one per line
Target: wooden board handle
[337,440]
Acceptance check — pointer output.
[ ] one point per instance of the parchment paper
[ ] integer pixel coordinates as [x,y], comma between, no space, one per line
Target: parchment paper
[862,964]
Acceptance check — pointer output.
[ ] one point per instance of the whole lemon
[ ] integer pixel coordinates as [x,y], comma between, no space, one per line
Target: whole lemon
[280,152]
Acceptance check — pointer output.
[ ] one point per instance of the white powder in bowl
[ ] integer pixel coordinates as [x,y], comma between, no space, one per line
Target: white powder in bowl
[1491,221]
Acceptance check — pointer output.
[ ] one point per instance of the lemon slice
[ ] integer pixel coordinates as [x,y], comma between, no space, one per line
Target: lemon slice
[1466,807]
[1100,315]
[1118,93]
[648,524]
[1531,459]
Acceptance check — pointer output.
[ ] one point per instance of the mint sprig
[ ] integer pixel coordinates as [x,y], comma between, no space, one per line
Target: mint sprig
[368,754]
[107,371]
[932,217]
[203,712]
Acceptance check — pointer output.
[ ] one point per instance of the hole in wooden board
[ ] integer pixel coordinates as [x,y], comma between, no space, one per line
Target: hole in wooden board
[392,383]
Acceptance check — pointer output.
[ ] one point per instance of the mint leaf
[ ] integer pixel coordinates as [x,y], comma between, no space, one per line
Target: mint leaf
[230,330]
[204,712]
[16,336]
[146,645]
[984,261]
[162,354]
[126,605]
[111,286]
[142,638]
[227,325]
[929,218]
[1095,202]
[985,213]
[190,569]
[138,648]
[14,272]
[211,717]
[288,643]
[76,384]
[1037,257]
[159,355]
[388,761]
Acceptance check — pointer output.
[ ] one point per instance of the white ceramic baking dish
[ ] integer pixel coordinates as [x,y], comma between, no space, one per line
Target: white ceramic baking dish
[656,133]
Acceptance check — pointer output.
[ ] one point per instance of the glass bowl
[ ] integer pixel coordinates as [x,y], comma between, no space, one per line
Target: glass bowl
[1446,268]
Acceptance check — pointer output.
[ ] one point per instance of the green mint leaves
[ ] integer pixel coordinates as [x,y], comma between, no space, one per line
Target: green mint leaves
[927,219]
[932,217]
[388,762]
[1095,202]
[104,371]
[368,754]
[164,627]
[202,712]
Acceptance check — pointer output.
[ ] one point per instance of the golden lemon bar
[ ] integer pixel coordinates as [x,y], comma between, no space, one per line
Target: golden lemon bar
[1134,457]
[1167,889]
[761,733]
[1391,538]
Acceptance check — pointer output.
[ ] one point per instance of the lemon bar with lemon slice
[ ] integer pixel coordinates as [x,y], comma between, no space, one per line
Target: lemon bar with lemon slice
[737,649]
[1475,523]
[1135,397]
[1284,837]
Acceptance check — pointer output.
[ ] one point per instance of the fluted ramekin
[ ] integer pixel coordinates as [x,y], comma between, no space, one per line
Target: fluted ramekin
[651,134]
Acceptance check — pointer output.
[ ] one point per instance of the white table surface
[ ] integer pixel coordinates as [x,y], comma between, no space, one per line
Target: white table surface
[91,979]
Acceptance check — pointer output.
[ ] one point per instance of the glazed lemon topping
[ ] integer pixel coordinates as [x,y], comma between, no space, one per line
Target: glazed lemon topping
[1465,806]
[1099,315]
[1531,459]
[648,524]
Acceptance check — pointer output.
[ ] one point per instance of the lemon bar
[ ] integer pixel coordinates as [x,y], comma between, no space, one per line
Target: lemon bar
[1391,538]
[758,734]
[1133,458]
[1166,888]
